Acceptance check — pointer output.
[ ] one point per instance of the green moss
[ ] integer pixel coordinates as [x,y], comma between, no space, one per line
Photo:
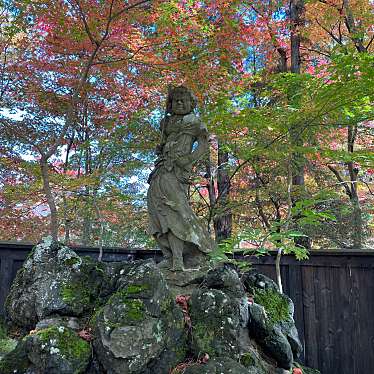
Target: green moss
[99,267]
[7,345]
[94,316]
[135,288]
[134,310]
[15,360]
[203,338]
[166,304]
[79,290]
[83,288]
[276,306]
[180,352]
[72,261]
[70,345]
[247,360]
[75,293]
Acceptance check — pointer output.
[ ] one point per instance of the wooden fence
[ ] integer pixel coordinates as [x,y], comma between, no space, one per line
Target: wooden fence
[333,294]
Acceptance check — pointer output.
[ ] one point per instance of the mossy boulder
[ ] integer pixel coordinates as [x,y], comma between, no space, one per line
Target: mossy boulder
[215,323]
[218,313]
[271,319]
[54,280]
[129,314]
[140,329]
[255,361]
[55,350]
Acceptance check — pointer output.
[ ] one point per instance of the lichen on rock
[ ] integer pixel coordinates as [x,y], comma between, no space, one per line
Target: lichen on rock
[54,350]
[53,281]
[130,322]
[271,319]
[139,323]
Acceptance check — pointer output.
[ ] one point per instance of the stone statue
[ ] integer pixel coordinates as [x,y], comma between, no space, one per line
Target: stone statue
[184,140]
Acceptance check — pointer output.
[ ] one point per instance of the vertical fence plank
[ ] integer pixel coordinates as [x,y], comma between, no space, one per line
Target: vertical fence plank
[5,276]
[362,317]
[310,318]
[295,292]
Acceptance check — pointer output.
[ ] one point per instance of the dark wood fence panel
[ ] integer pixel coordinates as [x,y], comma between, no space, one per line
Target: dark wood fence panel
[334,308]
[333,293]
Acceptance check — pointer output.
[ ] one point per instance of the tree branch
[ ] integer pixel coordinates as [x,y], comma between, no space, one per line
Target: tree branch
[341,180]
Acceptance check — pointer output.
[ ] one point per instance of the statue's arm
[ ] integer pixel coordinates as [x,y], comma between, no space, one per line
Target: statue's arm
[202,149]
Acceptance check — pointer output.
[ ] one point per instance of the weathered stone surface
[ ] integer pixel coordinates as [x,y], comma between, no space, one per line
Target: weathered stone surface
[140,329]
[220,365]
[181,236]
[137,327]
[55,350]
[218,313]
[216,323]
[183,283]
[219,317]
[271,320]
[54,280]
[253,280]
[254,359]
[225,278]
[289,329]
[277,346]
[70,322]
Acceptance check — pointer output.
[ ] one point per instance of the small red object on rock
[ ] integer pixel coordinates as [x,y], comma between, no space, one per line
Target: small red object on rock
[182,300]
[86,334]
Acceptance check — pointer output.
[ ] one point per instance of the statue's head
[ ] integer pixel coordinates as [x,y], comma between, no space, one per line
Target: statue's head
[180,101]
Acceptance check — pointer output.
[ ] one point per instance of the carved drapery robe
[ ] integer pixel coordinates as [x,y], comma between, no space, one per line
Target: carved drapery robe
[168,204]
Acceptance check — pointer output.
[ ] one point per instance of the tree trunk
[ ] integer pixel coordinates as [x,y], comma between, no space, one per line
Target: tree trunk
[66,220]
[223,217]
[297,160]
[87,221]
[50,198]
[211,192]
[87,217]
[353,172]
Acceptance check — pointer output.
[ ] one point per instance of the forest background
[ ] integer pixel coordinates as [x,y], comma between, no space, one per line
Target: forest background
[285,88]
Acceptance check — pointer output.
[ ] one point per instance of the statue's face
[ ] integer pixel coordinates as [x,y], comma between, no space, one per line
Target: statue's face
[181,104]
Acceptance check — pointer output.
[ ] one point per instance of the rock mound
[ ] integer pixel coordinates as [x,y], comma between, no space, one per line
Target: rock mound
[78,316]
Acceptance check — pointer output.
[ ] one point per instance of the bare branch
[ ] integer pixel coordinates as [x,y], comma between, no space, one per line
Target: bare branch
[86,27]
[329,32]
[341,180]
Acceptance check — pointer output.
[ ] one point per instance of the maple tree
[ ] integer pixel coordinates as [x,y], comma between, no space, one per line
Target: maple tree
[79,53]
[284,94]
